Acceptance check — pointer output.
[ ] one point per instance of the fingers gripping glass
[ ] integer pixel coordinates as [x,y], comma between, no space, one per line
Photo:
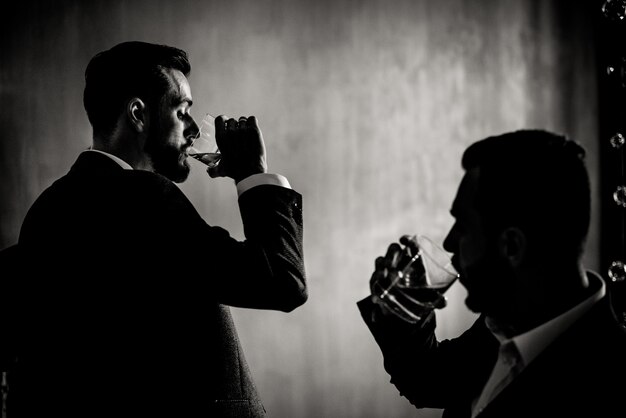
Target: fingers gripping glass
[204,146]
[416,286]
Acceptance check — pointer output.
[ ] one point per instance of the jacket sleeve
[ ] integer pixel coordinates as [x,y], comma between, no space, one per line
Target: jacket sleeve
[271,259]
[264,271]
[428,372]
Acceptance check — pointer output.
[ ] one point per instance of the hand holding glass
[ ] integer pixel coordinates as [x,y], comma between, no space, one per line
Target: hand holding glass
[416,287]
[204,147]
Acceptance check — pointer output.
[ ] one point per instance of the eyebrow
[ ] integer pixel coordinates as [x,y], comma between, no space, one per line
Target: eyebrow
[177,100]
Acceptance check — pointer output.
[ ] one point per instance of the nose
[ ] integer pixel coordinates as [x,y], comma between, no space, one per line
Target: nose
[193,131]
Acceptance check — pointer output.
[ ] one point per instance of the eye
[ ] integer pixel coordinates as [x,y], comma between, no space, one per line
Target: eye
[180,115]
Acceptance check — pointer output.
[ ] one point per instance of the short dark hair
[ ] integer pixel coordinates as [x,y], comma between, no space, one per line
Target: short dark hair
[130,69]
[537,181]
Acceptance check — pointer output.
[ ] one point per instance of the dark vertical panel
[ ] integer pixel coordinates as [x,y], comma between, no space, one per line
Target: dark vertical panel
[610,35]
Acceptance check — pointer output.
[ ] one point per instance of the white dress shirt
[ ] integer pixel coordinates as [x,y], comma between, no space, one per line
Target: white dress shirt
[517,352]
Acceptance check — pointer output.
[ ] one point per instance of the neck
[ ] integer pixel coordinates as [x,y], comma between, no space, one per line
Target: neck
[125,149]
[544,295]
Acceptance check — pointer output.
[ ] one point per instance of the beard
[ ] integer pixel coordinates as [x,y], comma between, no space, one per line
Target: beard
[489,284]
[167,159]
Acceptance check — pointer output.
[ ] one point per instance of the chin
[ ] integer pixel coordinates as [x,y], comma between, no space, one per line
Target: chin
[177,173]
[181,175]
[184,169]
[471,304]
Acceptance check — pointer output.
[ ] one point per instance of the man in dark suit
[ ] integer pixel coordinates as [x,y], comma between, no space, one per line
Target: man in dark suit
[124,310]
[546,343]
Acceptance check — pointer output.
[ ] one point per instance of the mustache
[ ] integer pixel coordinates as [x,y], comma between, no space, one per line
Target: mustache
[189,141]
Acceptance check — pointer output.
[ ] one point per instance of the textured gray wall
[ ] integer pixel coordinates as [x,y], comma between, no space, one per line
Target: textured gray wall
[366,106]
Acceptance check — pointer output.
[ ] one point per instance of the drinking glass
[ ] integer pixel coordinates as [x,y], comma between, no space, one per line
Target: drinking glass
[416,287]
[204,147]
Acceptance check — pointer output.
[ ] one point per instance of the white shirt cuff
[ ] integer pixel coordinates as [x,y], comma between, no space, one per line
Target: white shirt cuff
[259,179]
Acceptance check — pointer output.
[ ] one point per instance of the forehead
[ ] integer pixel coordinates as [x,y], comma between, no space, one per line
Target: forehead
[465,200]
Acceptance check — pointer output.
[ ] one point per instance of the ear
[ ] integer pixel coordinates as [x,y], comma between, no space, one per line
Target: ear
[512,245]
[137,114]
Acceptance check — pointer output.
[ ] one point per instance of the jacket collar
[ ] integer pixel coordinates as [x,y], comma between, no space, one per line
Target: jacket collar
[94,163]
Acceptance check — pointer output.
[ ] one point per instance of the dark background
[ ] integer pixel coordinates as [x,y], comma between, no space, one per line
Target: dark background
[366,107]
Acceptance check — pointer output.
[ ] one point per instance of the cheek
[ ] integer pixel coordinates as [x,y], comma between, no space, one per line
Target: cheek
[471,250]
[172,131]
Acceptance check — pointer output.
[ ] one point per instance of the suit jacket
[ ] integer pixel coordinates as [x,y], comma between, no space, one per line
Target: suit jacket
[124,310]
[581,374]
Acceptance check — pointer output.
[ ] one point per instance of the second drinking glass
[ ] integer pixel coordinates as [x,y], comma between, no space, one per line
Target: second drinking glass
[417,286]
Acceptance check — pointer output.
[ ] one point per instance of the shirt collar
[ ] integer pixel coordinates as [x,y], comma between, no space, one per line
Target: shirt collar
[533,342]
[118,160]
